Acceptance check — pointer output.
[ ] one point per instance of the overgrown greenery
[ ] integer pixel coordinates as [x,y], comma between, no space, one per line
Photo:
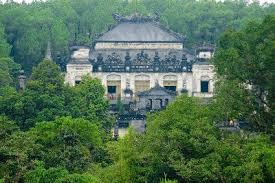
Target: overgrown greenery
[51,132]
[28,27]
[244,62]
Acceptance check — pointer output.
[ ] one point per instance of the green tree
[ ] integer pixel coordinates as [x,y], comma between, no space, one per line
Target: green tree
[5,48]
[57,150]
[39,173]
[181,142]
[48,75]
[66,142]
[7,128]
[246,159]
[126,157]
[10,66]
[87,101]
[16,153]
[231,101]
[43,99]
[9,71]
[247,58]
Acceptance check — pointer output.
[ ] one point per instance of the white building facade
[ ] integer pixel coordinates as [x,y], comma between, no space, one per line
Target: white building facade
[138,53]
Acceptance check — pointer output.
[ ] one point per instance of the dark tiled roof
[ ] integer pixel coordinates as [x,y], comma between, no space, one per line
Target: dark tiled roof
[140,32]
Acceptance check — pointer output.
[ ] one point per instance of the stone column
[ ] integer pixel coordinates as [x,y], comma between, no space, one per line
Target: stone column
[189,83]
[180,77]
[123,83]
[132,83]
[152,80]
[104,82]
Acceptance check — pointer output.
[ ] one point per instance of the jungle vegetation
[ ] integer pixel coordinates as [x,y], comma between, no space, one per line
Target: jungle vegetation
[52,132]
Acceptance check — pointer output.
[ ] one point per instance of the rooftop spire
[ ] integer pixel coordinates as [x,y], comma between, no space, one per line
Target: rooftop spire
[48,54]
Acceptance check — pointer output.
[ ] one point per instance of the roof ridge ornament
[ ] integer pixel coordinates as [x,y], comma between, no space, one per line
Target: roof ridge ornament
[136,18]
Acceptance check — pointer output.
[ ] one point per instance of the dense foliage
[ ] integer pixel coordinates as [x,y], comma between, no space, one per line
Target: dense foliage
[181,143]
[28,27]
[54,133]
[244,62]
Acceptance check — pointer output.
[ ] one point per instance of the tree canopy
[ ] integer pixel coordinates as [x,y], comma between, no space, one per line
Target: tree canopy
[25,29]
[53,132]
[245,58]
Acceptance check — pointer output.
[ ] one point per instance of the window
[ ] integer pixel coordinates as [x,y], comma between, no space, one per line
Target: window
[112,89]
[172,88]
[170,85]
[204,86]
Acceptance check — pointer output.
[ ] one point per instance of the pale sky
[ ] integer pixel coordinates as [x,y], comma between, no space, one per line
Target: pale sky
[262,1]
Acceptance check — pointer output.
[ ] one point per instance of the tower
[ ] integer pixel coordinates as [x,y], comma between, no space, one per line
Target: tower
[22,80]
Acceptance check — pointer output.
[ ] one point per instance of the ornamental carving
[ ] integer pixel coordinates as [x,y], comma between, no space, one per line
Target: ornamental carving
[113,77]
[205,78]
[170,77]
[142,77]
[114,59]
[170,59]
[142,59]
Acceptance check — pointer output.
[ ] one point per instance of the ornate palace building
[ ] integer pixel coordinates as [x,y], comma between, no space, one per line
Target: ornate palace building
[138,54]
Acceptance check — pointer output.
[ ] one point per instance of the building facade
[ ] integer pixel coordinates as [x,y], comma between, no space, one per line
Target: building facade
[138,53]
